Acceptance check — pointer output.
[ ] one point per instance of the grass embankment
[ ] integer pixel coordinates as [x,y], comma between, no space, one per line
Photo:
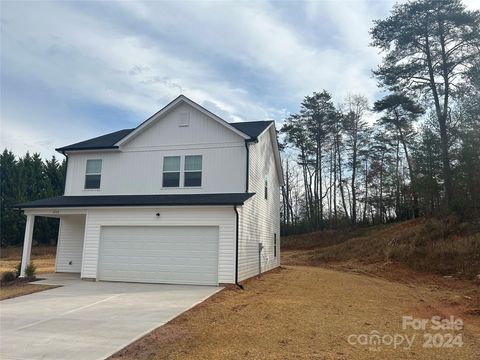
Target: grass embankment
[445,247]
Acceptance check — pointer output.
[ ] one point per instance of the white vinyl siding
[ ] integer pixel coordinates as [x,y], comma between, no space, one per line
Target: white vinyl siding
[260,215]
[159,254]
[137,167]
[221,217]
[70,244]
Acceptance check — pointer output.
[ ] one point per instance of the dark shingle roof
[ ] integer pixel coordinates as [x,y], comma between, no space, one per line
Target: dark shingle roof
[137,200]
[107,141]
[252,128]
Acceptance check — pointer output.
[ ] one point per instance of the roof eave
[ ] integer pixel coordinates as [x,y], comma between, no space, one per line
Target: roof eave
[67,149]
[107,203]
[19,207]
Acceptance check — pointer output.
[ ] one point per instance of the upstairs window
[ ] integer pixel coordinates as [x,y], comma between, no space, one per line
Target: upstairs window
[193,170]
[274,245]
[93,174]
[171,171]
[266,187]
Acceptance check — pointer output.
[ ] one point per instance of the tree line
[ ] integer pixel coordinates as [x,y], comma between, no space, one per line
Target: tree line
[415,151]
[24,179]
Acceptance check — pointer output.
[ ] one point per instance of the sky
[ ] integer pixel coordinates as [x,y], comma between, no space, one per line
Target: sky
[72,70]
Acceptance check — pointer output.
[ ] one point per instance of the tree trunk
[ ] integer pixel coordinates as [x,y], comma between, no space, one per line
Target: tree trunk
[381,189]
[397,177]
[340,182]
[353,187]
[442,121]
[335,215]
[366,191]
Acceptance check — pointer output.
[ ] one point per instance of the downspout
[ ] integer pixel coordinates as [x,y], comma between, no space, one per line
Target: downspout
[247,163]
[66,168]
[236,245]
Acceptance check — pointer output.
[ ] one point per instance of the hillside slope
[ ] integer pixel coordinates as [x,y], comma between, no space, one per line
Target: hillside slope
[446,246]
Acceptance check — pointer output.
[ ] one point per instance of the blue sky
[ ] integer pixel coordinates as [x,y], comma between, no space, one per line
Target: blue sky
[74,70]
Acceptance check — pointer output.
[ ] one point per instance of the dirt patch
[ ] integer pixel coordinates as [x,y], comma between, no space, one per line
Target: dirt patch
[307,313]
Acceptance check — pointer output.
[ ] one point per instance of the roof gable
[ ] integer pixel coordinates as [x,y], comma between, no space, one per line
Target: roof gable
[181,126]
[247,130]
[172,105]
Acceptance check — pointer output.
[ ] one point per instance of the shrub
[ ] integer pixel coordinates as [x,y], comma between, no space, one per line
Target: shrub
[18,269]
[8,276]
[30,270]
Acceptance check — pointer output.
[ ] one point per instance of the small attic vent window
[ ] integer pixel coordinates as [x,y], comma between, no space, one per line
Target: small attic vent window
[184,119]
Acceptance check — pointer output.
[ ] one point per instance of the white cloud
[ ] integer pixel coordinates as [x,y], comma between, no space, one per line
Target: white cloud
[242,60]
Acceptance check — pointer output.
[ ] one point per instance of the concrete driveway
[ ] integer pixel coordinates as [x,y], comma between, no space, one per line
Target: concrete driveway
[89,320]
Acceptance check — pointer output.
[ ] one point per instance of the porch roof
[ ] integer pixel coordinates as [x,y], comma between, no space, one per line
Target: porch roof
[137,200]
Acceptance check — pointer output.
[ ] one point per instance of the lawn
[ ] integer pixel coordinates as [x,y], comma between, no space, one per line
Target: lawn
[42,256]
[304,312]
[44,259]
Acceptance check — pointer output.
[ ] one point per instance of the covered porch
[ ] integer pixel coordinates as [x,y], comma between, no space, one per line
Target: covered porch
[70,241]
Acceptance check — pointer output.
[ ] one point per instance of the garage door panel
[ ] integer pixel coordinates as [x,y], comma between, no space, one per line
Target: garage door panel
[154,260]
[167,266]
[163,254]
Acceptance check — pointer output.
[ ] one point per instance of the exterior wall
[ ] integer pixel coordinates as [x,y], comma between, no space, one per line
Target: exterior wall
[70,244]
[223,217]
[137,167]
[260,218]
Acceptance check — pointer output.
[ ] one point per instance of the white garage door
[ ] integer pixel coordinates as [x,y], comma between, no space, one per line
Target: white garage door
[159,254]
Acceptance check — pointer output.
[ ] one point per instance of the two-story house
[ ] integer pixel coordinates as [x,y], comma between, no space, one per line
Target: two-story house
[183,198]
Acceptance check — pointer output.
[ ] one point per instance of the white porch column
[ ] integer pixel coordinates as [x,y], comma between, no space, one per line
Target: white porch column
[27,243]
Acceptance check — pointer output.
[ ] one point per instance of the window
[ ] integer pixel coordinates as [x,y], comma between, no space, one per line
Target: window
[193,170]
[274,245]
[93,174]
[266,187]
[171,171]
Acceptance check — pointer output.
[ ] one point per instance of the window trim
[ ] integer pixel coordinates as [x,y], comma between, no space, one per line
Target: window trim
[179,171]
[95,174]
[192,171]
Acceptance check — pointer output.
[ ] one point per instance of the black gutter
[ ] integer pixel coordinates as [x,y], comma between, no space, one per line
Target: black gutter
[86,148]
[236,245]
[136,200]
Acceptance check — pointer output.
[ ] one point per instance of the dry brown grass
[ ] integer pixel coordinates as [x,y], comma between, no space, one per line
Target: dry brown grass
[441,246]
[308,313]
[42,256]
[8,292]
[15,252]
